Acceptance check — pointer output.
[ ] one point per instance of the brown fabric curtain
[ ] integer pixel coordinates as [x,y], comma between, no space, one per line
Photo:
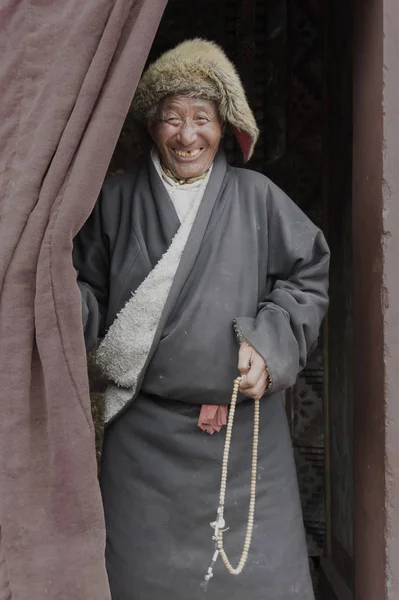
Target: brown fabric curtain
[68,71]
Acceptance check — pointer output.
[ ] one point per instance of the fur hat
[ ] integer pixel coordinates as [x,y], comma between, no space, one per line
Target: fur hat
[198,68]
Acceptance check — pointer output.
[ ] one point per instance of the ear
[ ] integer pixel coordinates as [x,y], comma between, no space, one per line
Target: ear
[245,142]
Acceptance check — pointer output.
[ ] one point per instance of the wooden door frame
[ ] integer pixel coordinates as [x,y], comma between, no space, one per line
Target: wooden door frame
[375,243]
[376,298]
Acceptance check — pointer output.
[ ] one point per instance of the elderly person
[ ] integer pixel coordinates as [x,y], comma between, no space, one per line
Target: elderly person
[192,272]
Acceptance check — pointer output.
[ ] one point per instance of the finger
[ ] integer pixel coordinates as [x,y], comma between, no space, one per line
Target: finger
[257,391]
[250,382]
[244,358]
[256,371]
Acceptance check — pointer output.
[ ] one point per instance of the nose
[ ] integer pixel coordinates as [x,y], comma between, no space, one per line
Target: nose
[187,133]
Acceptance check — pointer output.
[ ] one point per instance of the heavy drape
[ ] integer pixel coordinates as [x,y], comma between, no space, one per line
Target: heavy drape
[68,72]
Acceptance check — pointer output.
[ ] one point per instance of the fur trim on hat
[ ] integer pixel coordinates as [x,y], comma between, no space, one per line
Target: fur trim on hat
[198,68]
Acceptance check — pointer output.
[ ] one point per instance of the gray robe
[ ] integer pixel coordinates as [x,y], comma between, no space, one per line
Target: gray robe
[254,259]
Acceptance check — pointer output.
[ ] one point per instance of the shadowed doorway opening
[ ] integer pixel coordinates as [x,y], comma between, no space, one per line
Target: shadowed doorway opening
[294,58]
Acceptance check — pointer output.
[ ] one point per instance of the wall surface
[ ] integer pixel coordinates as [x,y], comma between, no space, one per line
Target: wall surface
[390,290]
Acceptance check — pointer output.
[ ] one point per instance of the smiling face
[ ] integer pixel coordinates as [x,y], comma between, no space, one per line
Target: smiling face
[187,133]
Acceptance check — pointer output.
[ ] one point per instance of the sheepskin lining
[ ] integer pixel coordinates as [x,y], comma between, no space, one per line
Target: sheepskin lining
[122,355]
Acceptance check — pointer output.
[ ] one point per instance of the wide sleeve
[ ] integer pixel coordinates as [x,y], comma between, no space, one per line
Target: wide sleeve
[91,258]
[287,324]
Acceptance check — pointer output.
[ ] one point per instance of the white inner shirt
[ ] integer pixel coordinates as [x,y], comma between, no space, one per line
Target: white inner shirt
[182,195]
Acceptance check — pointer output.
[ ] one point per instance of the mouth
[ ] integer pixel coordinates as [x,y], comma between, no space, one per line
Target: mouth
[188,154]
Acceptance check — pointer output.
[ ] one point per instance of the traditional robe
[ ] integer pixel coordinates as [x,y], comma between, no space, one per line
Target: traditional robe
[252,261]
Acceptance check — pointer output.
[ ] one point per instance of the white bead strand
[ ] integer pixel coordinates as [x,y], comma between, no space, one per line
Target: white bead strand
[219,525]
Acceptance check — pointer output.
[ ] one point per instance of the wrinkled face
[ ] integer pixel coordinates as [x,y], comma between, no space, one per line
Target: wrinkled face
[187,133]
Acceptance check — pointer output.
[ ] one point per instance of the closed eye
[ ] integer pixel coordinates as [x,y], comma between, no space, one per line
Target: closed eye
[173,121]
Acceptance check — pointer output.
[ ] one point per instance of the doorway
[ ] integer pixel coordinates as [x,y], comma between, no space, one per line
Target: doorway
[294,57]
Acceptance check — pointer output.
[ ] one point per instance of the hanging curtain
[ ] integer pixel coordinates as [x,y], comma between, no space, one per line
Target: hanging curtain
[68,72]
